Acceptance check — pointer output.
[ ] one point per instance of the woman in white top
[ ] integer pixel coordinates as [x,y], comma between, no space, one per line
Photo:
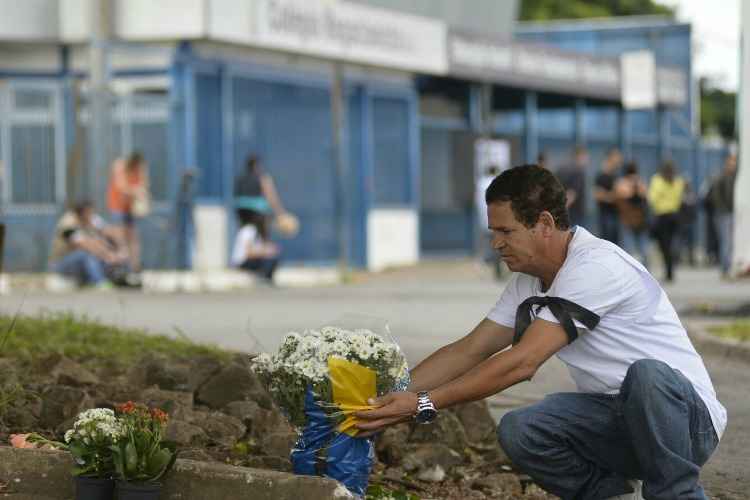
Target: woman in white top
[253,251]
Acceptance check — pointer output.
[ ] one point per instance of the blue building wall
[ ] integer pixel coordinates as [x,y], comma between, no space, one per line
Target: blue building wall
[669,41]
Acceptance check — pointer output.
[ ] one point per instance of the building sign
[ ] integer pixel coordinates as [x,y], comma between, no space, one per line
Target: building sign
[352,32]
[532,66]
[671,86]
[638,79]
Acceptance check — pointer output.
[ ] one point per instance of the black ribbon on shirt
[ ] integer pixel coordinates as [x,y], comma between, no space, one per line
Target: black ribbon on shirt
[564,310]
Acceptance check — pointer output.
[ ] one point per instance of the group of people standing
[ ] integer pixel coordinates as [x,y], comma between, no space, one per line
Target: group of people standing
[631,210]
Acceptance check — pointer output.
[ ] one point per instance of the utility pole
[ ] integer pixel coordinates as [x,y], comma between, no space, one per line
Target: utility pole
[337,121]
[100,101]
[741,257]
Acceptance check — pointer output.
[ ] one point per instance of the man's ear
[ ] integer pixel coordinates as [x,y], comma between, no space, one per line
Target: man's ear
[546,223]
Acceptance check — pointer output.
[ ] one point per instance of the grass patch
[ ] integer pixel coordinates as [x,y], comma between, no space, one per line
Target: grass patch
[739,330]
[83,339]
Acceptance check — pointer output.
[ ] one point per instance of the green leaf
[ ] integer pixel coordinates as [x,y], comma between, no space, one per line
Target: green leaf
[131,459]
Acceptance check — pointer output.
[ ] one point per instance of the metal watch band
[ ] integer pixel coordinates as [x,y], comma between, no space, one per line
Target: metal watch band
[424,402]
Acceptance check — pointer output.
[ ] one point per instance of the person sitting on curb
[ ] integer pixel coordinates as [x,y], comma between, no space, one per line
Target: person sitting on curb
[85,249]
[645,410]
[253,251]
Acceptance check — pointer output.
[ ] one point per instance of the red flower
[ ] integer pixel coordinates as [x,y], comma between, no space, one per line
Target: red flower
[159,415]
[127,408]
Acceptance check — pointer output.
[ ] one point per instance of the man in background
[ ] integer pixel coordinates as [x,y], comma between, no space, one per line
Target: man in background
[573,179]
[606,199]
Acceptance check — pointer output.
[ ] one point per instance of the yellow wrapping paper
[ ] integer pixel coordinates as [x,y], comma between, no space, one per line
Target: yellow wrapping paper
[353,384]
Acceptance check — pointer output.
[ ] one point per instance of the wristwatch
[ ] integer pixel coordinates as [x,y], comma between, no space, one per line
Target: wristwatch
[426,411]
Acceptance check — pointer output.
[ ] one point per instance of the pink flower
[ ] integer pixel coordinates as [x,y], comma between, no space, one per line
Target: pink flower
[19,441]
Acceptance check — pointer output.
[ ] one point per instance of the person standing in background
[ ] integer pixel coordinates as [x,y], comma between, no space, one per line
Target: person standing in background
[254,190]
[665,197]
[488,254]
[686,236]
[606,200]
[722,193]
[128,199]
[573,178]
[631,194]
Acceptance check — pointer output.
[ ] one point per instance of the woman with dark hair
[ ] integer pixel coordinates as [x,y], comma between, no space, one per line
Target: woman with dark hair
[665,197]
[253,251]
[631,200]
[255,191]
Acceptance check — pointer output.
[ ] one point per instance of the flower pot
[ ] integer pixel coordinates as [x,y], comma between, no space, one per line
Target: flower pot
[94,488]
[138,491]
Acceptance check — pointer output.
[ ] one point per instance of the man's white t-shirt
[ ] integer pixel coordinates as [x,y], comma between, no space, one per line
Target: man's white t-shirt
[637,320]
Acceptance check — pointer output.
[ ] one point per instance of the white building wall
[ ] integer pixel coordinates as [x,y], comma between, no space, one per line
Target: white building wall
[392,238]
[160,20]
[32,20]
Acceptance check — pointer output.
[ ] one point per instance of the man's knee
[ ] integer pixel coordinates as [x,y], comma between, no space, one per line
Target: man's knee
[644,374]
[513,426]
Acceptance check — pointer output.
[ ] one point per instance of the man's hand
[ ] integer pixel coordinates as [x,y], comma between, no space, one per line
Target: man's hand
[392,408]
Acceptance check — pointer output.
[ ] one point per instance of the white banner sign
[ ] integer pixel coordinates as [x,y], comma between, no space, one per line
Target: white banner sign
[342,30]
[638,79]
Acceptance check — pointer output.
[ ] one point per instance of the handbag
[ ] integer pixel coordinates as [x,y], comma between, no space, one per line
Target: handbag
[141,205]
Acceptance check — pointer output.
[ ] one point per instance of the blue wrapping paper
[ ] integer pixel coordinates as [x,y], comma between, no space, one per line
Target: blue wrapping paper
[323,451]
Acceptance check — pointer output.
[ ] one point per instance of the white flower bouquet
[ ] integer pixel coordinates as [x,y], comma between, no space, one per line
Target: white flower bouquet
[319,379]
[91,439]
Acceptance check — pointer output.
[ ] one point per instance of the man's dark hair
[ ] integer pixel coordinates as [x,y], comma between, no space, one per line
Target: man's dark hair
[631,168]
[530,189]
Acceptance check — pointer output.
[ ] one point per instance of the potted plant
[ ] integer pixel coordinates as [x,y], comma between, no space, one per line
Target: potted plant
[142,456]
[90,441]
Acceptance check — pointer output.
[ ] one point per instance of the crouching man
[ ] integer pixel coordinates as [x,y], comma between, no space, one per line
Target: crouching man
[645,408]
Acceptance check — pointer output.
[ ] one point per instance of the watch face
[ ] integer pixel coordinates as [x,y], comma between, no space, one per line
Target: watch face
[426,416]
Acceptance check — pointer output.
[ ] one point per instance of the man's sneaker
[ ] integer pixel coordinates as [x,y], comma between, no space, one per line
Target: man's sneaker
[104,286]
[636,495]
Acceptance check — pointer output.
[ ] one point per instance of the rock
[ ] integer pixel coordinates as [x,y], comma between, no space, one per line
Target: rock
[434,474]
[202,369]
[269,462]
[233,383]
[22,418]
[446,429]
[185,434]
[278,444]
[195,454]
[158,370]
[62,402]
[477,421]
[426,456]
[270,421]
[65,371]
[498,483]
[220,428]
[248,412]
[391,445]
[177,404]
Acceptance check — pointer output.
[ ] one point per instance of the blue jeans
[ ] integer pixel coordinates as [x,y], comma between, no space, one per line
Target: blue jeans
[585,446]
[636,241]
[609,226]
[725,226]
[81,266]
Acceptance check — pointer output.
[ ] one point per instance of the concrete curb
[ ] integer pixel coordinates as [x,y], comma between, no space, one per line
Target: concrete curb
[45,475]
[219,280]
[707,343]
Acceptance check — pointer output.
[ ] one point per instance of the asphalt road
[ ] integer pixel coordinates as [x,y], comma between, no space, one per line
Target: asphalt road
[425,307]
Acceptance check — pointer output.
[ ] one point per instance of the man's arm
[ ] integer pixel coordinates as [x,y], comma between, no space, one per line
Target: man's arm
[504,369]
[453,360]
